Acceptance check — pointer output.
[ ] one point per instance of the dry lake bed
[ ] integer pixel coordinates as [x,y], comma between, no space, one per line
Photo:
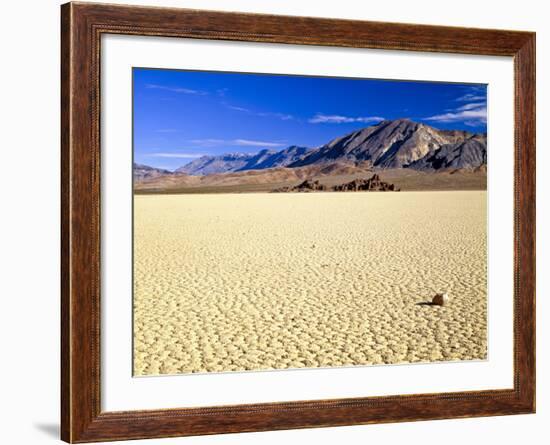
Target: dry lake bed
[233,282]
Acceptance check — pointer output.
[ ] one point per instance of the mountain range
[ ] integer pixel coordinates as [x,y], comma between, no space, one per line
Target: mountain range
[233,162]
[414,156]
[400,143]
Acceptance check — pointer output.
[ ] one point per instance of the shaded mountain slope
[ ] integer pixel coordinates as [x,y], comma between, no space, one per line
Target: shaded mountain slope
[398,144]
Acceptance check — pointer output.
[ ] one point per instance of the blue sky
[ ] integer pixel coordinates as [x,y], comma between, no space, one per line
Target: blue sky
[182,115]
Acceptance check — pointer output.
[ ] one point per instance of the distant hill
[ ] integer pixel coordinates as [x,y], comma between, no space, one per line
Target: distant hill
[272,158]
[234,162]
[142,172]
[208,165]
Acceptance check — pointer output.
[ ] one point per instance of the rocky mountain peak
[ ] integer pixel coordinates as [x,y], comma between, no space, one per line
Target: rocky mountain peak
[399,143]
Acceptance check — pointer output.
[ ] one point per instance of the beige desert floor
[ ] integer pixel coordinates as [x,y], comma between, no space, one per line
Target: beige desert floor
[237,282]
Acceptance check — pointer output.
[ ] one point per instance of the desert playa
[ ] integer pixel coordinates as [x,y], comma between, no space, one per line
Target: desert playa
[257,281]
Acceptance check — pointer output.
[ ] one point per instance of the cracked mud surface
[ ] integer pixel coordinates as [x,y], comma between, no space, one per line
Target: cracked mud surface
[234,282]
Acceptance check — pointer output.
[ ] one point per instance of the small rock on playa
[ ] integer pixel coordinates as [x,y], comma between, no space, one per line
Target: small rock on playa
[440,299]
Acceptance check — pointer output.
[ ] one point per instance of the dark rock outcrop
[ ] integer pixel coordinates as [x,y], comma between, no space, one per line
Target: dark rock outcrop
[374,183]
[307,186]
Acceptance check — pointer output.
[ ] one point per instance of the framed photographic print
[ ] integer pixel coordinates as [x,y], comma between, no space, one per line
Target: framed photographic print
[275,222]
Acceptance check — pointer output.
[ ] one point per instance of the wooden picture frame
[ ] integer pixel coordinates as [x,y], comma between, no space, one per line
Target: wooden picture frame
[82,26]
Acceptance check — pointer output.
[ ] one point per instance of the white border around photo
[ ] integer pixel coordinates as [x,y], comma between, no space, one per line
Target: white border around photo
[121,391]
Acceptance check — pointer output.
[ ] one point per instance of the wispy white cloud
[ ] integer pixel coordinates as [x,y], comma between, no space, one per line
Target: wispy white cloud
[320,118]
[472,106]
[473,123]
[276,115]
[208,142]
[473,116]
[176,155]
[469,97]
[282,116]
[471,109]
[249,143]
[179,90]
[233,107]
[167,130]
[235,143]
